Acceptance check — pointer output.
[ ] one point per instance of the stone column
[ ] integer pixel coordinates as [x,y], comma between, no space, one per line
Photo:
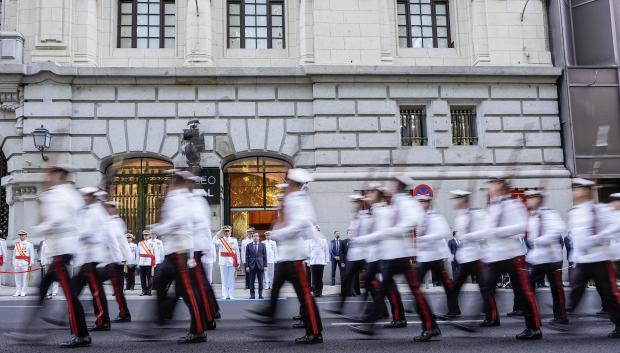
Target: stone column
[86,34]
[306,31]
[386,29]
[198,32]
[480,32]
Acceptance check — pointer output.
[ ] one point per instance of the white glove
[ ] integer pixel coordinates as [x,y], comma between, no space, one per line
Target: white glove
[191,263]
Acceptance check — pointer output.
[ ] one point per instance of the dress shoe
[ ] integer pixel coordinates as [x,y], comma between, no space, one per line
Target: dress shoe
[530,334]
[193,338]
[218,315]
[260,297]
[299,324]
[122,319]
[489,323]
[211,326]
[76,341]
[396,324]
[615,333]
[16,295]
[559,321]
[428,335]
[515,313]
[309,339]
[252,297]
[104,327]
[297,317]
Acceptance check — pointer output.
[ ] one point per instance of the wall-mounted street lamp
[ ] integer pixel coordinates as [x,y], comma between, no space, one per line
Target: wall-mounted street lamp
[192,143]
[42,140]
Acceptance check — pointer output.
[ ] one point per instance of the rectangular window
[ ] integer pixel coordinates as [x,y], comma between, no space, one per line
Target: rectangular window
[146,23]
[413,126]
[423,24]
[256,24]
[464,131]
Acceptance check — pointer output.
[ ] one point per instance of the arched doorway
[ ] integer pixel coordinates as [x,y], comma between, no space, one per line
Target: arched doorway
[139,186]
[4,207]
[251,193]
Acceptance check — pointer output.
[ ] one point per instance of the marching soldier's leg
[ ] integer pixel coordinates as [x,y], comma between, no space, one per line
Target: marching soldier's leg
[203,288]
[579,282]
[439,269]
[100,303]
[604,274]
[191,299]
[554,274]
[522,288]
[77,321]
[282,271]
[116,277]
[429,324]
[310,313]
[489,274]
[166,303]
[397,307]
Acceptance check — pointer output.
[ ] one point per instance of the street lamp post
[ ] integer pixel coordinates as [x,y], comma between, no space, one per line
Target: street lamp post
[42,140]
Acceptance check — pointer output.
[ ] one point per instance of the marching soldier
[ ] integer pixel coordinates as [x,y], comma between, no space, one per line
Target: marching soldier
[228,253]
[146,262]
[298,220]
[60,205]
[504,253]
[45,260]
[544,238]
[132,262]
[23,256]
[592,227]
[272,258]
[115,271]
[92,251]
[468,253]
[432,249]
[176,230]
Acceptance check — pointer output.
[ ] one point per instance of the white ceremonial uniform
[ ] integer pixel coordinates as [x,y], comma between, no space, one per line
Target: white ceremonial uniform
[94,236]
[359,226]
[299,218]
[227,262]
[272,257]
[46,261]
[615,242]
[143,256]
[382,216]
[319,252]
[120,247]
[505,230]
[23,257]
[59,210]
[176,228]
[545,247]
[244,245]
[4,258]
[133,253]
[467,221]
[208,259]
[592,228]
[432,238]
[202,231]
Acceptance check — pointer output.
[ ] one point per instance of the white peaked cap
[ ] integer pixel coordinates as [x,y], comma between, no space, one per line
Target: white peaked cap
[89,190]
[356,198]
[533,193]
[405,179]
[580,182]
[423,197]
[299,175]
[459,193]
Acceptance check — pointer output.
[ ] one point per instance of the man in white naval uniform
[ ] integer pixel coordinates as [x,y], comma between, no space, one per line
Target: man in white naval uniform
[146,262]
[132,262]
[592,227]
[272,258]
[46,261]
[431,242]
[244,244]
[228,253]
[545,230]
[504,252]
[176,230]
[23,257]
[468,251]
[298,223]
[92,252]
[319,257]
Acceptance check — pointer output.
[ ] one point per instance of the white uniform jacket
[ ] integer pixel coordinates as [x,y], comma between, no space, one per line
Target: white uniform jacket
[23,254]
[202,223]
[176,227]
[505,230]
[272,251]
[244,245]
[432,238]
[95,237]
[360,225]
[545,230]
[299,219]
[319,252]
[382,216]
[59,209]
[44,257]
[146,253]
[133,253]
[224,256]
[118,230]
[592,228]
[467,221]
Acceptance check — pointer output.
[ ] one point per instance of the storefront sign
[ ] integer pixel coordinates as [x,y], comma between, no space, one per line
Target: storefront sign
[210,181]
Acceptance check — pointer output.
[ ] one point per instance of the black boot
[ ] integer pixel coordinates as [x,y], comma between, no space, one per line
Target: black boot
[515,313]
[615,333]
[76,341]
[297,317]
[489,323]
[193,338]
[104,327]
[309,339]
[428,335]
[299,324]
[122,319]
[530,334]
[396,324]
[211,326]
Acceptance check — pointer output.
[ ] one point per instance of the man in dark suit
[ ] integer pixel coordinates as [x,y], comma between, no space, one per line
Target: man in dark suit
[336,250]
[256,263]
[453,244]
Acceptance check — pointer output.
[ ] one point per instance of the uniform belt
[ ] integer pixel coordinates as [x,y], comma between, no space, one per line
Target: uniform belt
[152,257]
[27,258]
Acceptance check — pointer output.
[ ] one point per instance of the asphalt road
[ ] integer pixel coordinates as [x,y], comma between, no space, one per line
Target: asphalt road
[237,334]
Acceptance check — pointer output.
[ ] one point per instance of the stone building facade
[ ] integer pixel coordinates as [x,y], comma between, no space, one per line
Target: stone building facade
[332,100]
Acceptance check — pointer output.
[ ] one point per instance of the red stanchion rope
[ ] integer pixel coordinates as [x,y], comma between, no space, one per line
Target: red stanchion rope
[18,272]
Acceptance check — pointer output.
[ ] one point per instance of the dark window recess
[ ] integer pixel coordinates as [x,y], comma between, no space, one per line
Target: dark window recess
[423,24]
[464,131]
[413,126]
[146,23]
[256,24]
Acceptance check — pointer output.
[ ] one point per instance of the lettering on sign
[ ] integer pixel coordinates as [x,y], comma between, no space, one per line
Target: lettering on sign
[210,181]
